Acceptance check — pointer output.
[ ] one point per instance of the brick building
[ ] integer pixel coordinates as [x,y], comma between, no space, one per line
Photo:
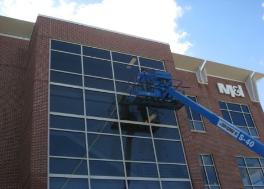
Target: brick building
[65,122]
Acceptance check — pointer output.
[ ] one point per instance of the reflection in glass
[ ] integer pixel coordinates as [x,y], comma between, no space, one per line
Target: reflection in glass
[135,129]
[100,53]
[98,83]
[141,169]
[102,126]
[68,183]
[106,168]
[162,116]
[97,67]
[126,72]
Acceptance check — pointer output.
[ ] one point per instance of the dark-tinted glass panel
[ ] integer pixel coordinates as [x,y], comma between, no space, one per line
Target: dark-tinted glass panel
[68,47]
[97,67]
[151,63]
[124,87]
[135,130]
[196,116]
[106,168]
[141,169]
[63,122]
[104,146]
[124,58]
[244,175]
[234,107]
[238,118]
[128,111]
[173,171]
[100,53]
[250,122]
[66,78]
[68,183]
[245,108]
[98,83]
[66,62]
[169,151]
[173,184]
[211,174]
[141,184]
[162,116]
[107,184]
[198,125]
[252,162]
[102,126]
[66,100]
[256,176]
[226,116]
[68,166]
[253,132]
[207,160]
[100,104]
[126,72]
[164,132]
[138,149]
[222,105]
[64,143]
[240,161]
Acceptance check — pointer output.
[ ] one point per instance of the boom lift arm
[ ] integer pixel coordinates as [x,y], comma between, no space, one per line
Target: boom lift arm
[158,89]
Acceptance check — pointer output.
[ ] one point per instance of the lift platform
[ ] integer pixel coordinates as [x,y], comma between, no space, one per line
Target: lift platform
[156,88]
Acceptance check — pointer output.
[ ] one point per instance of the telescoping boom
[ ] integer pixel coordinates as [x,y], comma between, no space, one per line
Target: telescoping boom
[157,88]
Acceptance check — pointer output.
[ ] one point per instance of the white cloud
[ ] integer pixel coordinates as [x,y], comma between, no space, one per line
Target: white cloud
[262,4]
[153,19]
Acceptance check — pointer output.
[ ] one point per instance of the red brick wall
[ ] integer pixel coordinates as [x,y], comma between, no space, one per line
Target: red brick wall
[13,55]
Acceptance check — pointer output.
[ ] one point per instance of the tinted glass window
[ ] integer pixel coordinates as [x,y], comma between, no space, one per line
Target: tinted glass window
[166,133]
[107,184]
[151,63]
[102,126]
[124,58]
[106,168]
[71,79]
[222,105]
[126,72]
[97,67]
[66,100]
[100,104]
[141,184]
[68,166]
[68,183]
[66,62]
[252,162]
[104,146]
[138,149]
[169,151]
[63,122]
[234,107]
[100,53]
[68,47]
[162,116]
[124,87]
[173,184]
[141,169]
[70,144]
[98,83]
[238,118]
[173,171]
[135,130]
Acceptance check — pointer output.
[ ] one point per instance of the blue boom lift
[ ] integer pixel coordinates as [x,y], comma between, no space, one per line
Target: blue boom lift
[156,89]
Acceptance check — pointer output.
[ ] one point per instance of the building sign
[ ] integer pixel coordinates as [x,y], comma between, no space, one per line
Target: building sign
[234,91]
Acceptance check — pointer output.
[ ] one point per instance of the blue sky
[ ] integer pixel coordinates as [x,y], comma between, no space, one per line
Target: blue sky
[225,31]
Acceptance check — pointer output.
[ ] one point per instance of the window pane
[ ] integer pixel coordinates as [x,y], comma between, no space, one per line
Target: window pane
[173,171]
[245,176]
[222,105]
[100,104]
[211,174]
[124,58]
[66,62]
[198,125]
[240,161]
[64,122]
[98,83]
[102,126]
[151,63]
[164,132]
[252,162]
[245,108]
[100,53]
[97,67]
[162,116]
[238,118]
[68,166]
[140,184]
[106,168]
[196,116]
[124,87]
[135,130]
[64,143]
[107,184]
[128,111]
[66,100]
[125,72]
[138,149]
[234,107]
[207,160]
[226,116]
[169,151]
[104,146]
[68,183]
[250,122]
[71,79]
[256,176]
[173,184]
[141,169]
[68,47]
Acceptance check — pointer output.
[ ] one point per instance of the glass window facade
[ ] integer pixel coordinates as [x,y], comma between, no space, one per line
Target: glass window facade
[194,119]
[97,139]
[239,115]
[251,172]
[209,173]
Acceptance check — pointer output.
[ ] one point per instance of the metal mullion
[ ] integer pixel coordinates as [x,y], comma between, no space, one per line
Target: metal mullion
[84,106]
[95,56]
[66,52]
[65,85]
[68,157]
[102,133]
[205,171]
[106,160]
[98,77]
[118,117]
[48,137]
[67,130]
[154,149]
[67,72]
[99,90]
